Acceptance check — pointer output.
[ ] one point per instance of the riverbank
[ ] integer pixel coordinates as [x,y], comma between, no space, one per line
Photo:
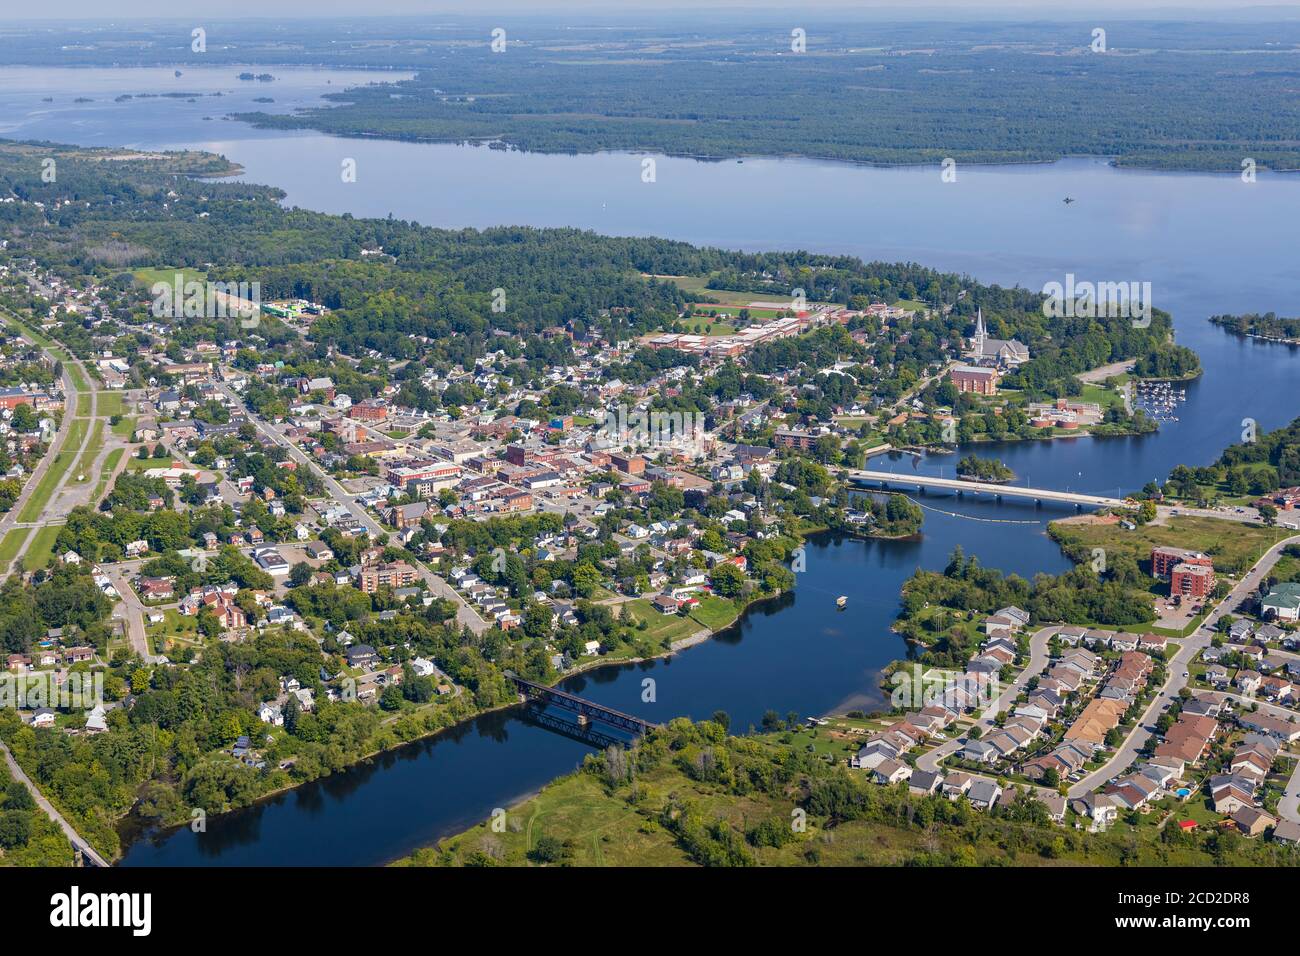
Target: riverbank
[132,828]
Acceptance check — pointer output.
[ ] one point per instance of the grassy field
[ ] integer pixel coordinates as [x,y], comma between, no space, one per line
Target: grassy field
[111,403]
[1233,546]
[715,613]
[660,628]
[93,448]
[168,275]
[83,405]
[41,549]
[698,286]
[54,474]
[79,380]
[576,808]
[106,471]
[175,629]
[11,545]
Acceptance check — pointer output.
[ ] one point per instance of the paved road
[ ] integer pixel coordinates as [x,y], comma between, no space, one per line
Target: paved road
[9,520]
[1038,657]
[88,852]
[132,609]
[1178,668]
[465,614]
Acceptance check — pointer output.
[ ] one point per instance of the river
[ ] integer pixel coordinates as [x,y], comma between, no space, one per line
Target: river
[1207,244]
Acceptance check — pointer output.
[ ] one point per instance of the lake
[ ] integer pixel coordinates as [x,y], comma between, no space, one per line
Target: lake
[1207,243]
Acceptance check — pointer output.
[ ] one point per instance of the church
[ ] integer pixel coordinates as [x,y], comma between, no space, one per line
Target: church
[1003,353]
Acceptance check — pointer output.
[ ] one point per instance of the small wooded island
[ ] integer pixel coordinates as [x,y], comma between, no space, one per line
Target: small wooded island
[984,469]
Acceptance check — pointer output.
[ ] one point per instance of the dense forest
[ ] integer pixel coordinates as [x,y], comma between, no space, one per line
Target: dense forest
[878,98]
[1262,463]
[1172,94]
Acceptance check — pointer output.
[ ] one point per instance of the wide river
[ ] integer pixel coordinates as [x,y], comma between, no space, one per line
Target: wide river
[1208,244]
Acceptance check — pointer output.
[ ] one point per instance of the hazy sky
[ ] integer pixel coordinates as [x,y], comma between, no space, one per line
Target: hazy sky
[101,9]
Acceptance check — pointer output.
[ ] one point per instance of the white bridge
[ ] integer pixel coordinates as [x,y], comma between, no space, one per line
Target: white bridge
[963,486]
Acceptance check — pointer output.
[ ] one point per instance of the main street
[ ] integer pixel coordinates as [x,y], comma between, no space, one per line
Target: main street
[465,614]
[1178,670]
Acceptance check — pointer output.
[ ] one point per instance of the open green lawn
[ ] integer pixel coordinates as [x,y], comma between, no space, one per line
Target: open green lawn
[125,427]
[912,305]
[698,286]
[168,275]
[660,628]
[79,380]
[1105,397]
[11,545]
[111,403]
[54,474]
[83,405]
[715,613]
[41,550]
[705,325]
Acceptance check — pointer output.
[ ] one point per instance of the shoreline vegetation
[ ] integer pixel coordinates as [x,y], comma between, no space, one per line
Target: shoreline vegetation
[135,827]
[731,89]
[988,470]
[691,795]
[1269,327]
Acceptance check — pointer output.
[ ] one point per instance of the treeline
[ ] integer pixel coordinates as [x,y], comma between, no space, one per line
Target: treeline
[1028,100]
[426,294]
[933,602]
[1269,325]
[1261,463]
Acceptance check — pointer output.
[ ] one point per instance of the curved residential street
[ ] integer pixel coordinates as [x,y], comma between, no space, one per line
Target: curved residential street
[1038,657]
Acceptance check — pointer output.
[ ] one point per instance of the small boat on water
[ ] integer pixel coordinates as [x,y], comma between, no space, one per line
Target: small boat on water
[841,601]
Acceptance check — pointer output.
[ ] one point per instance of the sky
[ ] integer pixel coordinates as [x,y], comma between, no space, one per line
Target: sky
[116,9]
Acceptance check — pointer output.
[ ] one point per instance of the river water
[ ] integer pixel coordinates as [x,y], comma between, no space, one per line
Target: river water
[1206,243]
